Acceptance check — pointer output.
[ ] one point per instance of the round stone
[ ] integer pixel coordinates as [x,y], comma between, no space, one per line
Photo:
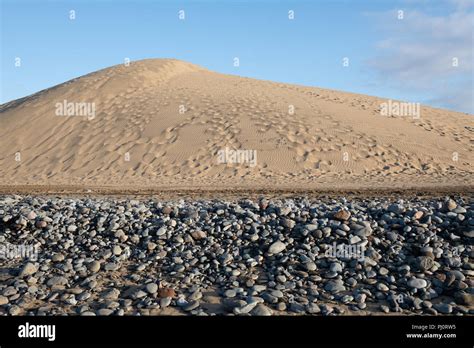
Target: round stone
[334,286]
[230,293]
[94,266]
[277,247]
[425,263]
[116,250]
[151,288]
[262,310]
[310,266]
[417,283]
[28,269]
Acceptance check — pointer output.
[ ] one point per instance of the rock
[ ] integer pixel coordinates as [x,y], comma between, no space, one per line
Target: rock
[245,309]
[297,308]
[417,283]
[262,310]
[94,266]
[116,250]
[259,287]
[57,281]
[271,254]
[166,210]
[111,294]
[28,269]
[418,215]
[334,286]
[363,230]
[277,293]
[166,292]
[165,302]
[31,215]
[110,266]
[198,235]
[191,306]
[288,223]
[450,205]
[342,215]
[458,275]
[104,312]
[335,267]
[14,310]
[444,308]
[137,293]
[151,246]
[41,224]
[58,257]
[277,247]
[425,263]
[310,266]
[283,211]
[161,231]
[469,234]
[281,306]
[3,300]
[311,227]
[151,288]
[230,293]
[196,295]
[312,308]
[461,297]
[396,208]
[354,240]
[72,228]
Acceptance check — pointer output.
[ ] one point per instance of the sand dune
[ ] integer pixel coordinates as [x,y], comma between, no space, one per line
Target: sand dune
[162,123]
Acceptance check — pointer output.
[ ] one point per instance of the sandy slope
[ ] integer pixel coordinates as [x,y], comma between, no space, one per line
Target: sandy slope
[137,111]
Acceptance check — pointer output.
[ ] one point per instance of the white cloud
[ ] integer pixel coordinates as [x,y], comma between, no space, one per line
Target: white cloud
[419,52]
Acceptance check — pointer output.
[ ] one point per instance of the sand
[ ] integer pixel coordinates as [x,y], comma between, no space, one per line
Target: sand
[161,124]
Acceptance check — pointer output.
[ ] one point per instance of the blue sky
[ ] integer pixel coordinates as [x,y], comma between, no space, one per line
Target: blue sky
[409,58]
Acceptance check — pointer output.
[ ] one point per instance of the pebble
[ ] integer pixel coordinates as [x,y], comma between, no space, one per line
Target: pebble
[230,293]
[262,310]
[94,266]
[334,286]
[151,288]
[191,306]
[111,294]
[425,263]
[165,302]
[310,266]
[342,215]
[116,250]
[166,292]
[417,283]
[28,269]
[444,308]
[57,281]
[14,310]
[277,247]
[258,255]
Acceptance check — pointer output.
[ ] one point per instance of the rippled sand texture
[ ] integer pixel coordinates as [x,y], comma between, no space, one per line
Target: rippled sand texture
[138,112]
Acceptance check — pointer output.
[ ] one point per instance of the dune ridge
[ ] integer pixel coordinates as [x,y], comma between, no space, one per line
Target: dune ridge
[162,122]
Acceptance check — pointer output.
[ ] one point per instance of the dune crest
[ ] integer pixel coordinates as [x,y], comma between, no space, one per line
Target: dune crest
[163,123]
